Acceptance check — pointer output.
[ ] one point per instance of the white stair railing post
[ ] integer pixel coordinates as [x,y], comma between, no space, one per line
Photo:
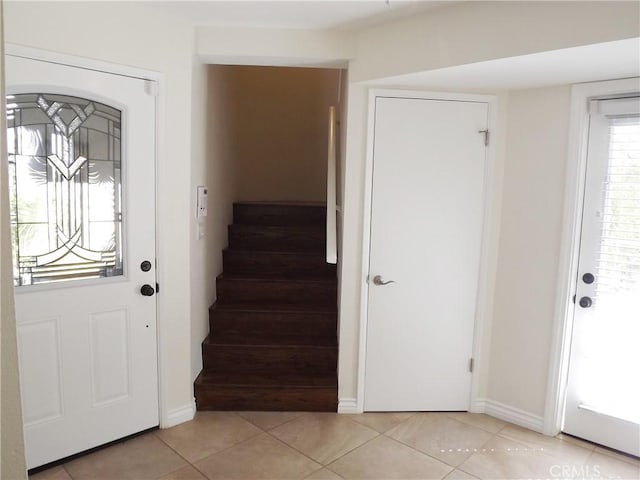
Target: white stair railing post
[332,232]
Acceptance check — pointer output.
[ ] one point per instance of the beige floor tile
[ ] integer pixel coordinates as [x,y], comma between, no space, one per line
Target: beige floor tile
[566,452]
[185,473]
[208,433]
[55,473]
[505,459]
[618,455]
[261,457]
[480,420]
[324,474]
[440,436]
[324,436]
[140,458]
[459,475]
[381,422]
[388,459]
[576,441]
[269,420]
[605,466]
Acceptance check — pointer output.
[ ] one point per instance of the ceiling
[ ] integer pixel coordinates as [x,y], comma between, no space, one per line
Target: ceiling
[295,14]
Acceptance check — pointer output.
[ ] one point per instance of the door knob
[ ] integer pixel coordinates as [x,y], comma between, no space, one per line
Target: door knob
[585,302]
[147,290]
[377,280]
[588,278]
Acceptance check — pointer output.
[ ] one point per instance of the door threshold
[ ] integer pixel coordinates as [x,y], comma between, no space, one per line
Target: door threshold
[609,450]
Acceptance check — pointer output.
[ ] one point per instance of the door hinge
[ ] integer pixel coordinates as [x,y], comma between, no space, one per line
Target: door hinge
[486,136]
[157,287]
[471,364]
[151,88]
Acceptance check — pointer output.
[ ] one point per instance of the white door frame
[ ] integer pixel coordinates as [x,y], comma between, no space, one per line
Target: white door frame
[569,248]
[484,280]
[158,80]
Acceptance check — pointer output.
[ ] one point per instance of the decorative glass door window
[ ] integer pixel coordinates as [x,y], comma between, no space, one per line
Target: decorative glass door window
[65,188]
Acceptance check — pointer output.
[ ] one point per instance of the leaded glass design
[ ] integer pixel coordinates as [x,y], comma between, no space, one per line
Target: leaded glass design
[65,187]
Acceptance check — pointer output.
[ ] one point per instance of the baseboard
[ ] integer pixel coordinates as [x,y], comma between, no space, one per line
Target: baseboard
[180,415]
[348,405]
[508,414]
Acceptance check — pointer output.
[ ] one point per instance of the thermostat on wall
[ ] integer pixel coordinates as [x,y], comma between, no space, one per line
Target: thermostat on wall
[201,202]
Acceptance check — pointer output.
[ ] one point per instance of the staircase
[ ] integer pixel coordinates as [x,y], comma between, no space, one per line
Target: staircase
[272,342]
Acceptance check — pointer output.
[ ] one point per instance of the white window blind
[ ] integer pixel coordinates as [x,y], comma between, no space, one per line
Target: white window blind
[618,267]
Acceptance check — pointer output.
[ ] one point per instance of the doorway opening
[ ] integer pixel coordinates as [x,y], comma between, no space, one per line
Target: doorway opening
[271,338]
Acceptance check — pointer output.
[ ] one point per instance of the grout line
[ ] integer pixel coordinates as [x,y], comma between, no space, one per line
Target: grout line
[353,449]
[354,417]
[424,453]
[440,459]
[180,455]
[265,430]
[155,432]
[318,461]
[67,472]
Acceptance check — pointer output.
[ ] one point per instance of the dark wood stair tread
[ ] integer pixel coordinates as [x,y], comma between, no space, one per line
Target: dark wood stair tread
[213,343]
[271,380]
[304,281]
[272,308]
[275,252]
[275,213]
[273,342]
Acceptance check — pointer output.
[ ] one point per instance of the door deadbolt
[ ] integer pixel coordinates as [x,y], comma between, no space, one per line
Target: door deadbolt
[145,266]
[585,302]
[588,278]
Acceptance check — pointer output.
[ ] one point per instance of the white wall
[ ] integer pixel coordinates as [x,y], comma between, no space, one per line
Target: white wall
[137,35]
[12,462]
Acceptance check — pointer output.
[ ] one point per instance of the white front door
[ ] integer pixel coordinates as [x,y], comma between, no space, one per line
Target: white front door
[426,223]
[81,167]
[603,389]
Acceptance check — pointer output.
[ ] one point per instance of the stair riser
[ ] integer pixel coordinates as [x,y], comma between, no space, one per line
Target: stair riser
[243,237]
[279,215]
[272,327]
[269,359]
[220,397]
[276,265]
[263,292]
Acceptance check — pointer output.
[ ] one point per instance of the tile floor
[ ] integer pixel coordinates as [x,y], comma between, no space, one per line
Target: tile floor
[326,446]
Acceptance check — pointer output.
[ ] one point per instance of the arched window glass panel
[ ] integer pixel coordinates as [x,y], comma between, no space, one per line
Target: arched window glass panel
[65,188]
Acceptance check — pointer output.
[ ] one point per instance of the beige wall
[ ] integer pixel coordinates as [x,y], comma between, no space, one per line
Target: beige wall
[476,31]
[277,123]
[466,33]
[213,144]
[12,463]
[530,236]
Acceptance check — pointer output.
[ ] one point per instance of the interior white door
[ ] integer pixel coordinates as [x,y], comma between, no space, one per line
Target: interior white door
[603,389]
[426,224]
[81,165]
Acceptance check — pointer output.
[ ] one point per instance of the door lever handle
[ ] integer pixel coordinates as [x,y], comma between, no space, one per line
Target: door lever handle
[377,280]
